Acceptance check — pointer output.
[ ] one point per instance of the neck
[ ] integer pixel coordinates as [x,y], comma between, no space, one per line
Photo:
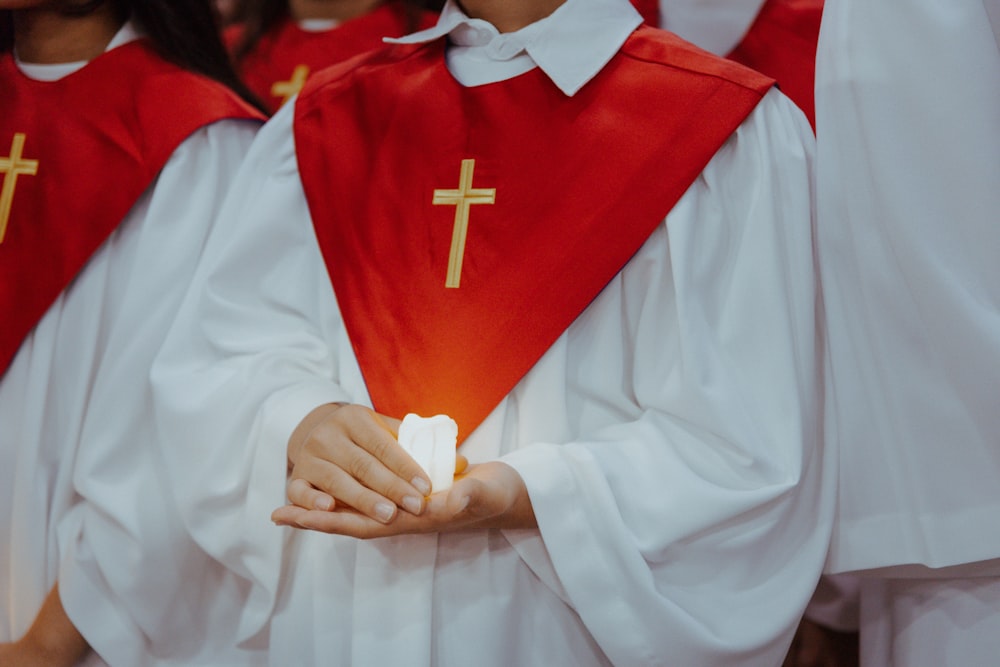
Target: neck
[341,10]
[510,15]
[47,36]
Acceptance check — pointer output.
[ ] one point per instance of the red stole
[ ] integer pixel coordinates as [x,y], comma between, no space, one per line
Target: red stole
[579,183]
[282,59]
[95,141]
[650,10]
[781,43]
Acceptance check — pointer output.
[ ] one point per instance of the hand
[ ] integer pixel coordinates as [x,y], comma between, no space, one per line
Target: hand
[25,653]
[489,495]
[347,456]
[52,640]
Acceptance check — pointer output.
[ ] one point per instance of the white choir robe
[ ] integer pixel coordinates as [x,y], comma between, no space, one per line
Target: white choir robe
[669,440]
[83,496]
[908,169]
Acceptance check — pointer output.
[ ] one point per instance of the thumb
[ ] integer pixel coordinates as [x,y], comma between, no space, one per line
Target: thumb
[469,498]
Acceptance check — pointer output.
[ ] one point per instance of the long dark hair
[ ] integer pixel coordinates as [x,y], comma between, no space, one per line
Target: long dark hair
[183,32]
[258,16]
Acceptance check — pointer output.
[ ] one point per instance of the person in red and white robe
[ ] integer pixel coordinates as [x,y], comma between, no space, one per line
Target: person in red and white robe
[113,162]
[277,44]
[908,128]
[588,242]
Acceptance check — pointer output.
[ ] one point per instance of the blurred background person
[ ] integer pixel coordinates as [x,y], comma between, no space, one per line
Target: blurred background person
[908,173]
[119,131]
[277,44]
[226,10]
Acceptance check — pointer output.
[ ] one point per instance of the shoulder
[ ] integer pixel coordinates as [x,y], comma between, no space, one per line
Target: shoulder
[370,68]
[660,51]
[169,103]
[162,88]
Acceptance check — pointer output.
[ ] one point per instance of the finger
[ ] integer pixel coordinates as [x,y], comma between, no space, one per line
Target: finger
[471,499]
[390,424]
[374,475]
[346,522]
[355,427]
[344,486]
[305,495]
[293,516]
[491,494]
[377,435]
[288,515]
[342,440]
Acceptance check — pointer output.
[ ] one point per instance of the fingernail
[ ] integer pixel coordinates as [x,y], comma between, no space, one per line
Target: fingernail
[413,505]
[465,504]
[279,522]
[323,504]
[384,511]
[421,485]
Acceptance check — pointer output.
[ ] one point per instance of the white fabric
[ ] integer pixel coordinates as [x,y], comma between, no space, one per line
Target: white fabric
[930,622]
[318,25]
[480,54]
[714,25]
[668,440]
[908,122]
[81,491]
[48,72]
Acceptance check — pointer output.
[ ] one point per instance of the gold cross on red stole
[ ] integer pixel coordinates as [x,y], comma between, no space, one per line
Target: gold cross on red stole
[286,90]
[13,166]
[462,199]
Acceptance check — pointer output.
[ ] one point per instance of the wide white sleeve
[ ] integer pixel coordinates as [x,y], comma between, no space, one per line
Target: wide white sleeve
[246,360]
[908,182]
[128,574]
[697,525]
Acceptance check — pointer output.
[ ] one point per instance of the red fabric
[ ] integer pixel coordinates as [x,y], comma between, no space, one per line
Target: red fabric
[278,53]
[580,183]
[650,10]
[781,43]
[119,120]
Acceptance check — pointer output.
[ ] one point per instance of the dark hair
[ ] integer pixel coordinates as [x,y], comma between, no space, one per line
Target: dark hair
[6,31]
[183,32]
[258,17]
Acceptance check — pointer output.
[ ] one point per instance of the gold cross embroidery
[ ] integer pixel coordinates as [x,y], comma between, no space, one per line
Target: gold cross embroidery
[288,89]
[13,166]
[462,199]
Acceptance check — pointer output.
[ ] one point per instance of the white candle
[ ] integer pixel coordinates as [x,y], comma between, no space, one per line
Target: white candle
[431,443]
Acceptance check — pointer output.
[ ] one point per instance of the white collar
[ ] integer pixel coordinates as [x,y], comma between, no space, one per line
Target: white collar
[318,25]
[127,33]
[571,45]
